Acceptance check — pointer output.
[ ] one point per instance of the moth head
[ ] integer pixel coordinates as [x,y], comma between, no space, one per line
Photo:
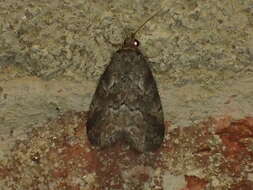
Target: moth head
[131,42]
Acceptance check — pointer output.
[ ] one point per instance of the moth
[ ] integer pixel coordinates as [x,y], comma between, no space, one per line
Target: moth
[126,105]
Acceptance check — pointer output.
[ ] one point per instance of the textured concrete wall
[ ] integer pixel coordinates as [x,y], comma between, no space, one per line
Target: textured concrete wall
[53,52]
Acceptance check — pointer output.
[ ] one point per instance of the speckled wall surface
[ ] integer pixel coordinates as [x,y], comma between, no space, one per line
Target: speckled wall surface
[53,52]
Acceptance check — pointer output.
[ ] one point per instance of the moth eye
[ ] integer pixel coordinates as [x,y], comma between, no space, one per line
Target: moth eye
[136,43]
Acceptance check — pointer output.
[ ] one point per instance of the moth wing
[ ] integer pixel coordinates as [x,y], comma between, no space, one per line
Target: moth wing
[100,126]
[152,112]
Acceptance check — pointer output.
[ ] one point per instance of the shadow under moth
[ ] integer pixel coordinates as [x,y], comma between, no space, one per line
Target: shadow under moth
[126,105]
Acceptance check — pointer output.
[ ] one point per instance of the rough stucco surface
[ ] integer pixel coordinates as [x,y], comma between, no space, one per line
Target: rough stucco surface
[53,52]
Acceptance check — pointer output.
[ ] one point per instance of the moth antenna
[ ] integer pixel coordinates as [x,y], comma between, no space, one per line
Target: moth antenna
[150,18]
